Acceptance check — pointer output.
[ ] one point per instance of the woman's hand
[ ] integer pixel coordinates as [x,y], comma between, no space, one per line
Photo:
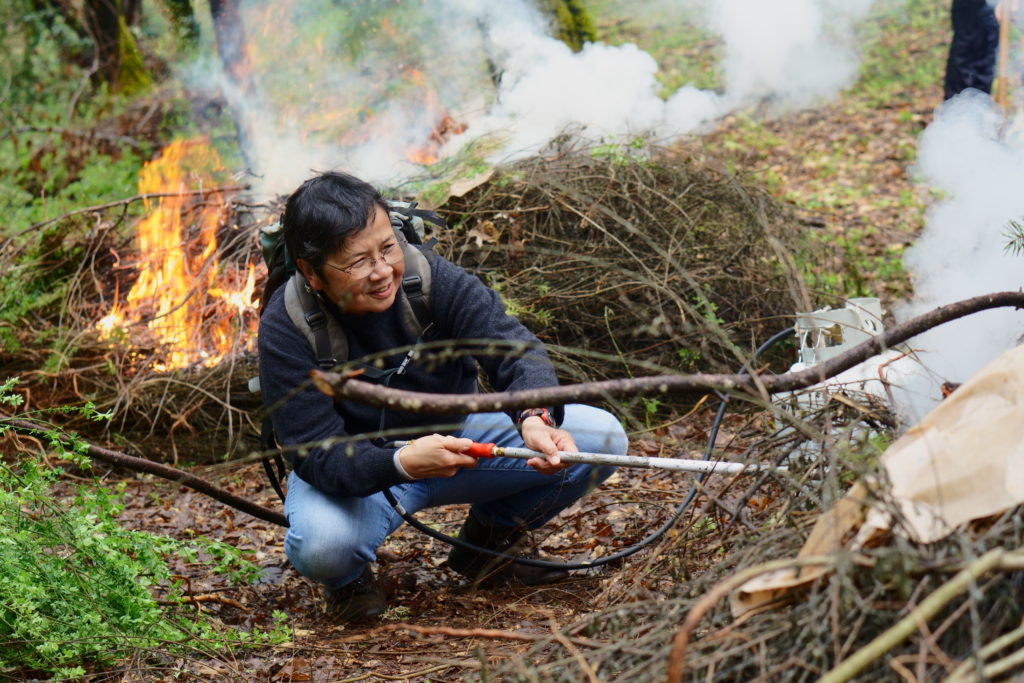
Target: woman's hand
[436,456]
[538,436]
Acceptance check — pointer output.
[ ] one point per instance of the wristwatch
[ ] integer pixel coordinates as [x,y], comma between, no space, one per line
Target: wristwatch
[542,413]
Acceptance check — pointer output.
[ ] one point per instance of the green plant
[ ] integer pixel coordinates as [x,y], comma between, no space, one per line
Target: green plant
[50,159]
[530,314]
[651,408]
[899,57]
[709,310]
[858,266]
[38,284]
[1014,235]
[622,153]
[75,586]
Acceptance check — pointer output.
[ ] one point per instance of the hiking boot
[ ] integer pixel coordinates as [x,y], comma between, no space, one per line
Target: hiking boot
[481,567]
[358,602]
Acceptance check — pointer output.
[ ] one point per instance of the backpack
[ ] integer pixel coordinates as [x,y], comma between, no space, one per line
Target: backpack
[321,329]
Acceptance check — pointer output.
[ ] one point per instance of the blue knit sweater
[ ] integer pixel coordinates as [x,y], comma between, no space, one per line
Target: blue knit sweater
[464,309]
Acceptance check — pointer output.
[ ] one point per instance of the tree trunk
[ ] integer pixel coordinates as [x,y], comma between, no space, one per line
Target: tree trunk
[118,59]
[101,19]
[230,33]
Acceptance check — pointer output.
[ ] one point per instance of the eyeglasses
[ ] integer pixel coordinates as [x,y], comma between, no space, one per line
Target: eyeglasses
[389,256]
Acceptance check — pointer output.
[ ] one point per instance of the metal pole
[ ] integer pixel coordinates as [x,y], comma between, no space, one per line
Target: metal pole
[674,464]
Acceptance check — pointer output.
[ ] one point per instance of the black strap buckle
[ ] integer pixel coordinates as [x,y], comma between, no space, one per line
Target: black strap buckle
[316,319]
[412,284]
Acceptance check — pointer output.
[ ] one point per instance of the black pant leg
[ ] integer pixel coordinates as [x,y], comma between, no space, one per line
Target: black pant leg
[972,52]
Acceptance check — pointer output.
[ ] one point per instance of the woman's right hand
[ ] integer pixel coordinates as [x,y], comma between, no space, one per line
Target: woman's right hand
[436,456]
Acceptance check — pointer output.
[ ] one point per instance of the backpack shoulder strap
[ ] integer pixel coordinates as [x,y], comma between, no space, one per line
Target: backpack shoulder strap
[321,330]
[415,304]
[412,221]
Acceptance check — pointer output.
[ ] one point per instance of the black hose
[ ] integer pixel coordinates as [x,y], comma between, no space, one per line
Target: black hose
[668,524]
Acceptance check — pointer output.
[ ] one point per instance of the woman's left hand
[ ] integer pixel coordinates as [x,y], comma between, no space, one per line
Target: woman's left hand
[538,436]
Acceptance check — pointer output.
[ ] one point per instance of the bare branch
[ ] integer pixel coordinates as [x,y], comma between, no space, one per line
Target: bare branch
[122,202]
[345,386]
[167,472]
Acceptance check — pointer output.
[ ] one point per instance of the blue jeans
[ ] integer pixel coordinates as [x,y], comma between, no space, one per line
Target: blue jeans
[332,539]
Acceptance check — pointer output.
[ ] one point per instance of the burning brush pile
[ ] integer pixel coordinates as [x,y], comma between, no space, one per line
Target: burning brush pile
[147,309]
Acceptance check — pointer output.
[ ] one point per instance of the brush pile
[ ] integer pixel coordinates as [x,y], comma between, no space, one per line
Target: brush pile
[79,269]
[633,264]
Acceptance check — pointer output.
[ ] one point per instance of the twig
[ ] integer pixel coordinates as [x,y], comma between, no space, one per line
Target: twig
[906,626]
[401,677]
[165,472]
[342,386]
[1001,87]
[90,135]
[719,591]
[1001,666]
[207,598]
[962,671]
[573,650]
[121,202]
[493,633]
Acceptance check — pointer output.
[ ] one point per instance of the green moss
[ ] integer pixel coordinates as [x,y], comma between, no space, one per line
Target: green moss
[573,23]
[133,77]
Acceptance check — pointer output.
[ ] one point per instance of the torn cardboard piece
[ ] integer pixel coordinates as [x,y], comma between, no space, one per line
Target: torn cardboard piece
[963,461]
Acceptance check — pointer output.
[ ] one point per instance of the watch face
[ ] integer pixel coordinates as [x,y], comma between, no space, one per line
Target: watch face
[542,413]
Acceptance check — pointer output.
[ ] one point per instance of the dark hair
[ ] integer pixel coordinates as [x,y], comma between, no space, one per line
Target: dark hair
[324,212]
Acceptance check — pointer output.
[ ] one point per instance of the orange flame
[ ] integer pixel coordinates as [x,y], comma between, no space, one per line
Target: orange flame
[196,309]
[430,152]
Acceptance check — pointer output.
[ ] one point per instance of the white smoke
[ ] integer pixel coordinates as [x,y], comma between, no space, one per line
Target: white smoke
[970,157]
[791,53]
[794,51]
[787,53]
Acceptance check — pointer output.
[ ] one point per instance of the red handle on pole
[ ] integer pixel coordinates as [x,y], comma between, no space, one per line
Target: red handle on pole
[481,450]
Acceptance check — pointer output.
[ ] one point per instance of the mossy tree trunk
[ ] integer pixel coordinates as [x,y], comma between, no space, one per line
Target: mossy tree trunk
[118,59]
[572,22]
[106,24]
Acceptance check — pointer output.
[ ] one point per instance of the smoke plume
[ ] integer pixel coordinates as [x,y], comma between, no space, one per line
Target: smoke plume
[973,160]
[358,85]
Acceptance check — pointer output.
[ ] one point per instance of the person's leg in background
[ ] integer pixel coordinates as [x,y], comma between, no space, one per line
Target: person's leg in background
[972,51]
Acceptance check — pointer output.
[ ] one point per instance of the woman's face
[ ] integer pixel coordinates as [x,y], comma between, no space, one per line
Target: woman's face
[365,274]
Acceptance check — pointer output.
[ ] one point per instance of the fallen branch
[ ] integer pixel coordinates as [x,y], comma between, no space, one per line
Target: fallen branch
[164,471]
[967,671]
[1001,666]
[344,386]
[208,597]
[400,677]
